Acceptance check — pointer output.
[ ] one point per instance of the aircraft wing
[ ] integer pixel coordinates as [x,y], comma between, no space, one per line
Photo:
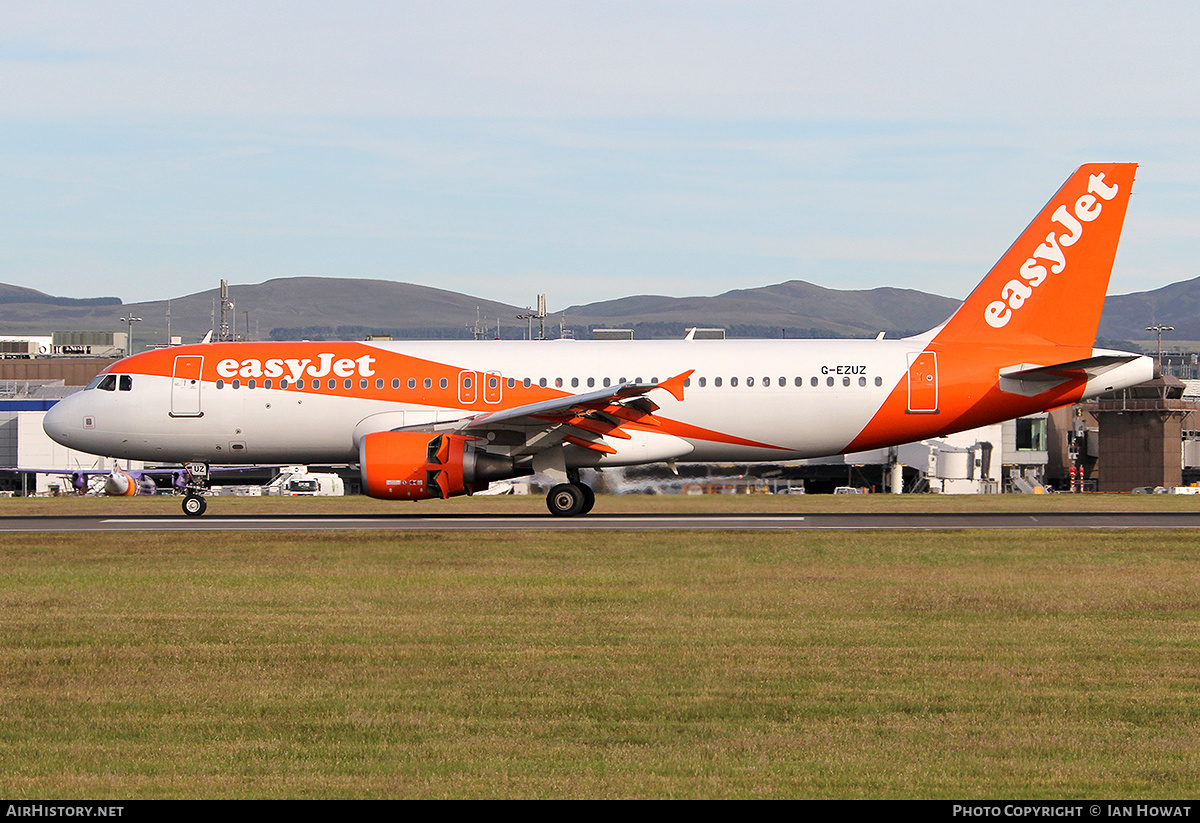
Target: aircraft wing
[579,419]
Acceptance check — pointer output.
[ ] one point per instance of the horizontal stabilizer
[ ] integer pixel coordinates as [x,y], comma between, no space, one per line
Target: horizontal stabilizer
[1091,366]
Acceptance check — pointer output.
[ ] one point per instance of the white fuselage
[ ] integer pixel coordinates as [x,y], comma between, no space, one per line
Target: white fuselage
[746,400]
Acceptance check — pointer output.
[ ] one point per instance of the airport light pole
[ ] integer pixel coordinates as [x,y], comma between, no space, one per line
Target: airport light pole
[129,321]
[1160,328]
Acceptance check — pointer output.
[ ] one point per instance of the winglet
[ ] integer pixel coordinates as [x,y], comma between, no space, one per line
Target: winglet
[675,384]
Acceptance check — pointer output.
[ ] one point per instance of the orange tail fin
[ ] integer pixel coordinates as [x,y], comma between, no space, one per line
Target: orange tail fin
[1050,284]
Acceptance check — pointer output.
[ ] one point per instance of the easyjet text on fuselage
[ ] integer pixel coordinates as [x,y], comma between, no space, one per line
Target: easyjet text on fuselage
[294,368]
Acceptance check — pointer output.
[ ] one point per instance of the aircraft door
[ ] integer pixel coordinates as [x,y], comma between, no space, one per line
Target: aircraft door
[922,383]
[493,387]
[185,386]
[468,387]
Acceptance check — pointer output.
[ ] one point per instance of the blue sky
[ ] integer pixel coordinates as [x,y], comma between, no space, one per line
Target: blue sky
[585,150]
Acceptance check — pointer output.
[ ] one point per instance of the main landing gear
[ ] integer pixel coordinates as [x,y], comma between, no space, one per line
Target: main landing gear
[570,499]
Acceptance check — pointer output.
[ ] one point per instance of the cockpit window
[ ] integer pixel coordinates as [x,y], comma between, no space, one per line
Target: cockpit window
[108,383]
[126,382]
[94,382]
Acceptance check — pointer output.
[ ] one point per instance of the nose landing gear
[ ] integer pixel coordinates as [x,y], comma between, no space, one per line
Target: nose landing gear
[194,503]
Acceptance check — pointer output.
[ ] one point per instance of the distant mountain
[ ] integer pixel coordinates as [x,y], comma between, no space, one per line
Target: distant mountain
[292,308]
[321,308]
[20,294]
[794,308]
[316,308]
[1126,316]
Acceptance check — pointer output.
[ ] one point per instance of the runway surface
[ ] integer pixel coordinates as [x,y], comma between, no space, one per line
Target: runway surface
[593,522]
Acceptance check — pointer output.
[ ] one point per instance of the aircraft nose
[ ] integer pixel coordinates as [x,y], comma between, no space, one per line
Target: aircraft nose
[55,422]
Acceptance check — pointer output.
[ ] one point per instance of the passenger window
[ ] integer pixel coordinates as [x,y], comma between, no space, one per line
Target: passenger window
[300,384]
[283,383]
[862,381]
[378,383]
[799,381]
[126,382]
[267,384]
[814,381]
[607,382]
[237,384]
[347,383]
[749,381]
[442,383]
[332,383]
[220,384]
[828,381]
[717,382]
[591,382]
[702,382]
[428,382]
[542,382]
[251,383]
[845,381]
[878,381]
[733,381]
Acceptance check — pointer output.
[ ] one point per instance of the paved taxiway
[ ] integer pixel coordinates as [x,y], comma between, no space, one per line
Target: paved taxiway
[593,522]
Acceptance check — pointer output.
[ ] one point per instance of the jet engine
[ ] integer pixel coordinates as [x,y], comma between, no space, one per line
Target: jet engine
[119,484]
[400,465]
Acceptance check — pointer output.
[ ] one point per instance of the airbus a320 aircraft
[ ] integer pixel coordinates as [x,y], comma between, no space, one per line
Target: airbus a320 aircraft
[438,419]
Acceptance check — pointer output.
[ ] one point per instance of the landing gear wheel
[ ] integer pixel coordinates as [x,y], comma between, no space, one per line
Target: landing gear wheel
[566,500]
[194,505]
[589,498]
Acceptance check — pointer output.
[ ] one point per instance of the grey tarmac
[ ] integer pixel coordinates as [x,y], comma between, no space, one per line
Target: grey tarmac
[599,522]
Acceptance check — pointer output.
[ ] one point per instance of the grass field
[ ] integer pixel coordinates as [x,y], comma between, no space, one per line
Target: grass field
[681,664]
[606,503]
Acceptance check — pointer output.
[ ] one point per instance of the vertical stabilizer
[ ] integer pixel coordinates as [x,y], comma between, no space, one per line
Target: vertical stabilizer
[1049,287]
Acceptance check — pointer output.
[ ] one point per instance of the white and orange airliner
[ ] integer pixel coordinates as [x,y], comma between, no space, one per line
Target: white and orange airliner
[438,419]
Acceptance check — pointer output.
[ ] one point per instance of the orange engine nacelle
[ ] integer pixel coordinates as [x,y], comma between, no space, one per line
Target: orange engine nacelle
[119,484]
[423,465]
